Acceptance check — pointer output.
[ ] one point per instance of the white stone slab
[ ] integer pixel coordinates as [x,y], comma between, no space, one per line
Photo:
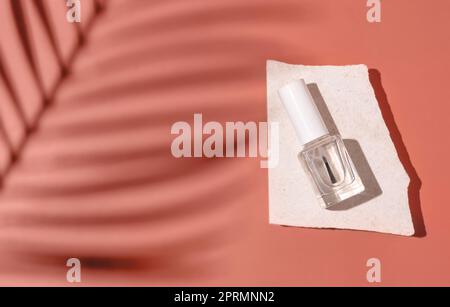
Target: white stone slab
[347,101]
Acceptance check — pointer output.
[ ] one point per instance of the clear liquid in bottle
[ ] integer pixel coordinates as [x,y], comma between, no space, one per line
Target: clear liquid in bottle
[331,170]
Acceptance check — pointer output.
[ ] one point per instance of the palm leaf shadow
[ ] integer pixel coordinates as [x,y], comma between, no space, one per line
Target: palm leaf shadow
[94,177]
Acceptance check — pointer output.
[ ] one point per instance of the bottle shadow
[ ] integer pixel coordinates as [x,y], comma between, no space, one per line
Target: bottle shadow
[371,187]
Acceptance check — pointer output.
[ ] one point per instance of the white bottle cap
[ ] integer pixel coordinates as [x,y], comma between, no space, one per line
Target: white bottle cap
[302,111]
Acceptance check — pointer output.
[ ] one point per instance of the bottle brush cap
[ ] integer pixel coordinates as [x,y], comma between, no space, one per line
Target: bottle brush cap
[302,110]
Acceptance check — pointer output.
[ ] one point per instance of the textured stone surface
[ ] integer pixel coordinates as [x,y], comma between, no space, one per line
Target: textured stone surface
[347,101]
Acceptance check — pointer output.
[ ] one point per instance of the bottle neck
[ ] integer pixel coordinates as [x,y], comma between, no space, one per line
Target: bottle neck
[316,141]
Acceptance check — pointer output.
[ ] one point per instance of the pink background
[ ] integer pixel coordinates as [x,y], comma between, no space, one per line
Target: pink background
[93,176]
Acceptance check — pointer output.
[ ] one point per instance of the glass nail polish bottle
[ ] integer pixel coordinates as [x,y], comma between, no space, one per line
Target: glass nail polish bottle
[324,156]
